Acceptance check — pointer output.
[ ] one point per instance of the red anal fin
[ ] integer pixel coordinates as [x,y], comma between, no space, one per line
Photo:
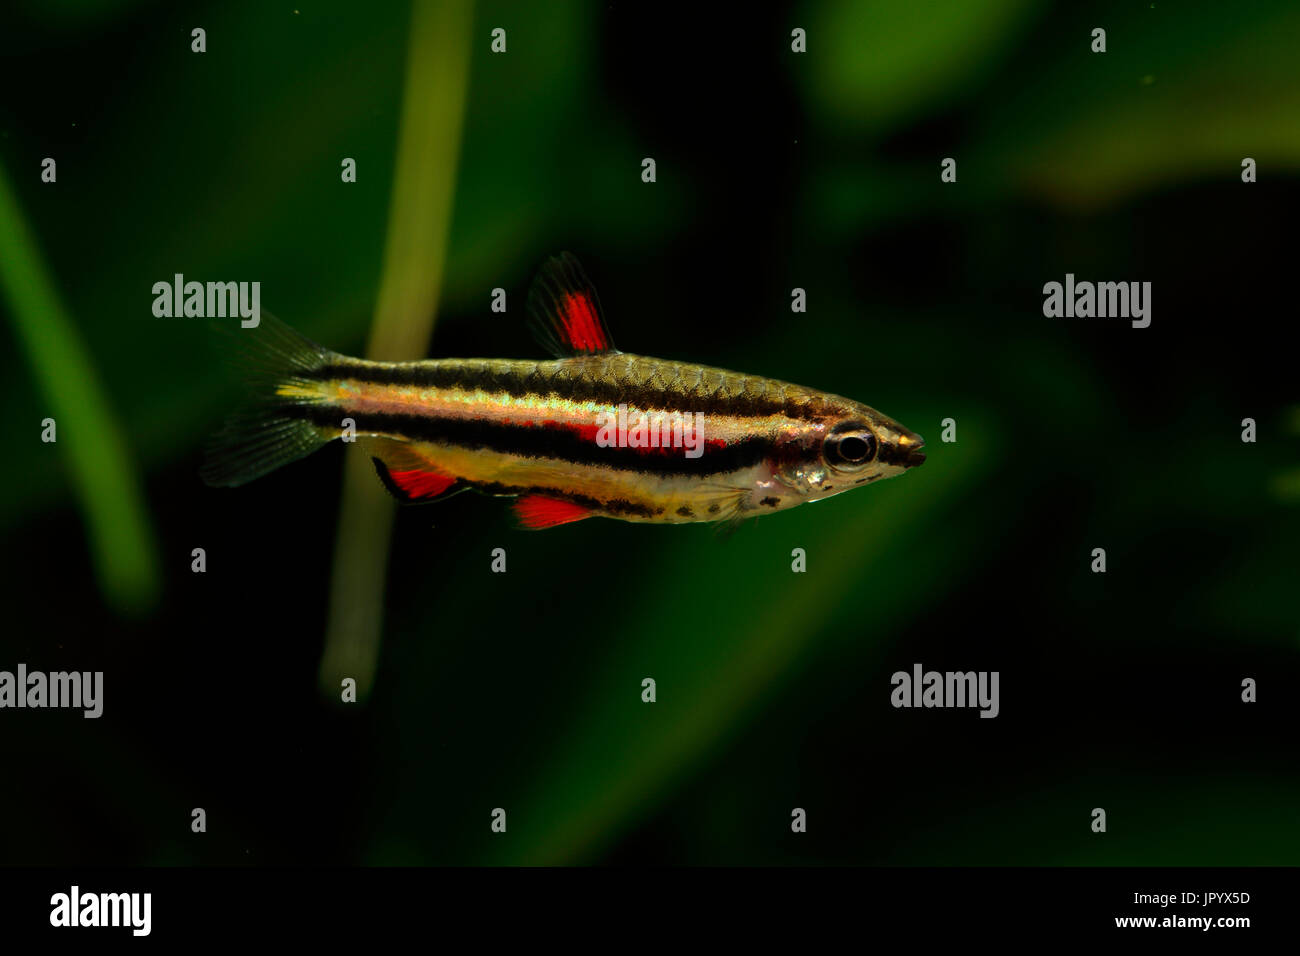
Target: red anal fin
[565,311]
[537,511]
[412,485]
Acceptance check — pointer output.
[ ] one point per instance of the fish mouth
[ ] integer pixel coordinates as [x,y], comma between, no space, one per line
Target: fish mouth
[903,453]
[909,451]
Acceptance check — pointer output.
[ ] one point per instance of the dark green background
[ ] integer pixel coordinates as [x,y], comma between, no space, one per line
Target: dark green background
[775,170]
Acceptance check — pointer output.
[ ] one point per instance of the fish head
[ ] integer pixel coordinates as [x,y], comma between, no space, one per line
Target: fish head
[855,445]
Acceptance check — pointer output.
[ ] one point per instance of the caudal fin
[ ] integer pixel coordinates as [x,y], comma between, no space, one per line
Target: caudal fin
[270,430]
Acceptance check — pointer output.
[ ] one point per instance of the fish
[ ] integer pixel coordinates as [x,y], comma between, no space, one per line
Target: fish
[593,432]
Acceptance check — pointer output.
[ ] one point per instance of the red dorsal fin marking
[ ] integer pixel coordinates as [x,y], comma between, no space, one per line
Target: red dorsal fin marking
[537,511]
[564,310]
[582,327]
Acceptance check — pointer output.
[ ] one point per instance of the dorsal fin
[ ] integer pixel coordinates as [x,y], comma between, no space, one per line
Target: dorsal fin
[564,310]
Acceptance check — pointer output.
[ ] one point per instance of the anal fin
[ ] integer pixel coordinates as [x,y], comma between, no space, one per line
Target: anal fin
[538,511]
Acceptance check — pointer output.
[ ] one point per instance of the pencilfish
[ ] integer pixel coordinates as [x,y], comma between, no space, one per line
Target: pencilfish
[592,432]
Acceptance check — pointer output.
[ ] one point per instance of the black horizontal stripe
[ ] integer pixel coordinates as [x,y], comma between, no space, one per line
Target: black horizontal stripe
[529,380]
[540,442]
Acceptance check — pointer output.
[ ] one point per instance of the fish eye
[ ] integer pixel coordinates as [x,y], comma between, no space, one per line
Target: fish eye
[854,448]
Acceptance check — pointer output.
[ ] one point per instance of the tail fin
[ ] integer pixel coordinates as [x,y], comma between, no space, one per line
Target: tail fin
[269,432]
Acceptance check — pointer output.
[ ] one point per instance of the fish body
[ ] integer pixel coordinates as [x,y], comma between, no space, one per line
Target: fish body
[596,432]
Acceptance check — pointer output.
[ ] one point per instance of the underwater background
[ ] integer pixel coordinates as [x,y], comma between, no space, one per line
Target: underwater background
[775,170]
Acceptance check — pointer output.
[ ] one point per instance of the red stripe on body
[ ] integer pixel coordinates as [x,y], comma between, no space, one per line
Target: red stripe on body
[589,432]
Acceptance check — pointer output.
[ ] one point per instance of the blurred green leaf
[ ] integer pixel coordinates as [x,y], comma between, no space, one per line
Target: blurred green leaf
[415,257]
[88,436]
[870,64]
[1090,131]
